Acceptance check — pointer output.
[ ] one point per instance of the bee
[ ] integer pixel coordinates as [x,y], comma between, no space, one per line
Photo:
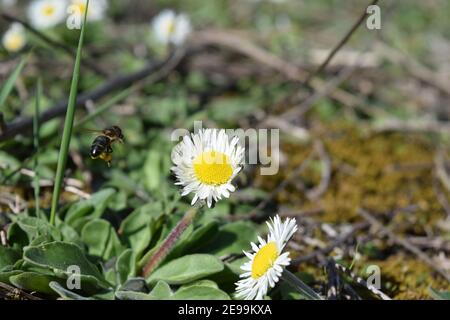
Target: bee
[101,146]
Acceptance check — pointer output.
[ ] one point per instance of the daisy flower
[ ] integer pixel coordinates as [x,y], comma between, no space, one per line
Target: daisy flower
[205,163]
[14,38]
[171,28]
[96,11]
[46,13]
[267,261]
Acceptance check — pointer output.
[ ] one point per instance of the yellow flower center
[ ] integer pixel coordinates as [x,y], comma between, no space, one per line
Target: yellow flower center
[48,11]
[264,259]
[14,42]
[81,7]
[170,27]
[212,168]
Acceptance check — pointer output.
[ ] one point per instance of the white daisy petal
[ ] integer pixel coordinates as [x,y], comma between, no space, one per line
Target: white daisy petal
[203,166]
[266,264]
[169,27]
[96,11]
[46,13]
[14,38]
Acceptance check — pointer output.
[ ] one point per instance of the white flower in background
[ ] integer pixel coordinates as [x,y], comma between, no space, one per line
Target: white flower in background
[14,38]
[46,13]
[267,261]
[171,28]
[97,9]
[205,164]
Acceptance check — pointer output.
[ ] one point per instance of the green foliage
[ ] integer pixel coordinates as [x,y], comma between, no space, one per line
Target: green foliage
[187,269]
[134,205]
[440,295]
[8,85]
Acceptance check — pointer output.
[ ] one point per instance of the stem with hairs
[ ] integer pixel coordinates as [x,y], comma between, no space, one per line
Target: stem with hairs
[300,286]
[169,242]
[68,124]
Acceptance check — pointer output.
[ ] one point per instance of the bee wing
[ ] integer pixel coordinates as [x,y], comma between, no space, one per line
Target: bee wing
[93,131]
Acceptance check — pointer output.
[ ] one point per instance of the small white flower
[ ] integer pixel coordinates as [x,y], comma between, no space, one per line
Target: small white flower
[96,11]
[205,163]
[267,261]
[14,38]
[46,13]
[171,28]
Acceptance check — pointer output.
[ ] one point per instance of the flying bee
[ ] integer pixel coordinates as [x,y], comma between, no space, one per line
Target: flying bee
[101,146]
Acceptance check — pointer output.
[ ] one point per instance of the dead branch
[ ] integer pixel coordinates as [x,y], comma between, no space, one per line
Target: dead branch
[361,281]
[158,69]
[13,293]
[339,45]
[403,242]
[322,187]
[329,248]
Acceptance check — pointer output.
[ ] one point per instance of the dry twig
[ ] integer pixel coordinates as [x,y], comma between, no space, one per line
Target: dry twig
[403,242]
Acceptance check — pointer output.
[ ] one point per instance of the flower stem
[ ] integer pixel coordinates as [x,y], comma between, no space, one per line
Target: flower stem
[169,242]
[300,286]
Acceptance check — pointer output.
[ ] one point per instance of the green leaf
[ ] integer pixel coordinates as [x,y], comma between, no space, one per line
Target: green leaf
[161,291]
[126,266]
[92,207]
[9,163]
[132,295]
[200,293]
[136,229]
[442,295]
[35,227]
[32,281]
[16,236]
[101,239]
[8,256]
[78,210]
[59,256]
[69,234]
[233,238]
[64,293]
[187,269]
[230,108]
[9,83]
[152,170]
[203,283]
[5,275]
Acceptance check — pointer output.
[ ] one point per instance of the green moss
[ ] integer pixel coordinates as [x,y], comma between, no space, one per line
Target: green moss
[380,173]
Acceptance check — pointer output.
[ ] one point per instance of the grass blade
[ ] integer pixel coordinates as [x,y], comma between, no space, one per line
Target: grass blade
[9,83]
[68,124]
[36,146]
